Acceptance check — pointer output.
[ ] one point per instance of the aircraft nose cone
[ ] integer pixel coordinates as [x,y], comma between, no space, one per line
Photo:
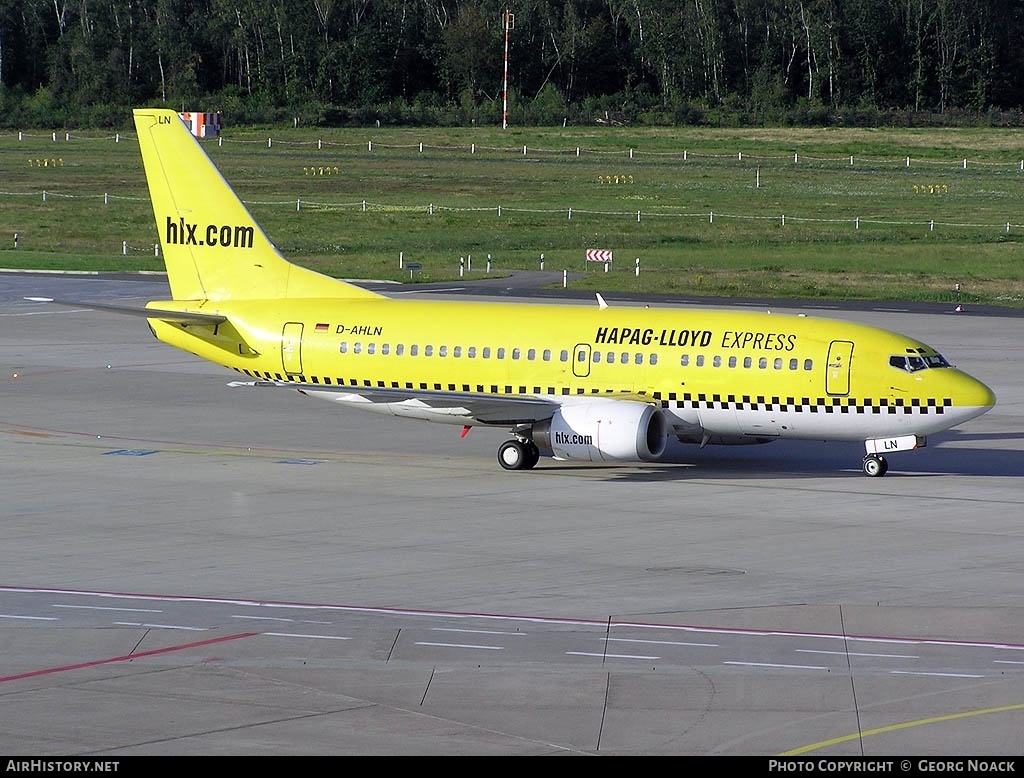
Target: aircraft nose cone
[990,397]
[986,396]
[973,394]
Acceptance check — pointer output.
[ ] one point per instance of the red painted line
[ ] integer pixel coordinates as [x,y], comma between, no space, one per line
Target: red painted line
[126,658]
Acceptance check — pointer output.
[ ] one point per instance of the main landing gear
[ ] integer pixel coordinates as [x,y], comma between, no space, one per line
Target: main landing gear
[518,454]
[875,465]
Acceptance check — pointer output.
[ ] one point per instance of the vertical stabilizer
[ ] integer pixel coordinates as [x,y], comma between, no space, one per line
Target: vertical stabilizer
[213,248]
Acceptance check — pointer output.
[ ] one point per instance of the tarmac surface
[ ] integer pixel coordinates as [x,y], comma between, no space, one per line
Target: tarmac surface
[192,569]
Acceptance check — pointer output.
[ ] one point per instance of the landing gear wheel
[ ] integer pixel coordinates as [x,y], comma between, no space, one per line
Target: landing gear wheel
[512,455]
[518,454]
[532,455]
[875,465]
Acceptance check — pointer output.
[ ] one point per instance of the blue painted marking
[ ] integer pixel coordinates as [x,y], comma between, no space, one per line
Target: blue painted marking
[131,452]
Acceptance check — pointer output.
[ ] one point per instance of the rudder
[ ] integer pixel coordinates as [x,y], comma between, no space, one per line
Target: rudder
[212,246]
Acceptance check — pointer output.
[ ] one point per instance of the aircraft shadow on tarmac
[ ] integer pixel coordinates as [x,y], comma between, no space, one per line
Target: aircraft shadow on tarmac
[808,459]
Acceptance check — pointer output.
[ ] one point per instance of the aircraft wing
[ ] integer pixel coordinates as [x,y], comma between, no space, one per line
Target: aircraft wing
[187,317]
[463,407]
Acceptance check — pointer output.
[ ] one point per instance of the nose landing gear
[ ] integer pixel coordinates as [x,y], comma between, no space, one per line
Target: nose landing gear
[875,465]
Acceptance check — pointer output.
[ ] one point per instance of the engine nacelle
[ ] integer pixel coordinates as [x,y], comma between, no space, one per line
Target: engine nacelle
[603,430]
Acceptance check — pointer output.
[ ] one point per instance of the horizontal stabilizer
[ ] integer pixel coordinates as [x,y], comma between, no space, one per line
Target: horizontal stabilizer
[188,317]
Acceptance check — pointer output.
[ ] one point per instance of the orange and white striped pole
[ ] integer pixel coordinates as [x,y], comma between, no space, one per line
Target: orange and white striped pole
[504,100]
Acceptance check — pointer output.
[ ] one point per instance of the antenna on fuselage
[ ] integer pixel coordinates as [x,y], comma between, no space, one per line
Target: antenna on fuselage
[600,301]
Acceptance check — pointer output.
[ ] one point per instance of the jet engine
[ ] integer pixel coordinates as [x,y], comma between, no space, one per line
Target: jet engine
[604,430]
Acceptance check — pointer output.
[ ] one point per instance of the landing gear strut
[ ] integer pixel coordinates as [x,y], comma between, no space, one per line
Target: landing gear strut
[875,465]
[518,454]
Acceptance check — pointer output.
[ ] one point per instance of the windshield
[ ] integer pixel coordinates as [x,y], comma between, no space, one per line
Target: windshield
[914,362]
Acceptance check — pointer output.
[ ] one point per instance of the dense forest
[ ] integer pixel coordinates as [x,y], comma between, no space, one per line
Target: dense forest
[85,63]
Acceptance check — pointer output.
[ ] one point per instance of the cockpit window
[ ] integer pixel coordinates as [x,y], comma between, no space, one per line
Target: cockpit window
[913,362]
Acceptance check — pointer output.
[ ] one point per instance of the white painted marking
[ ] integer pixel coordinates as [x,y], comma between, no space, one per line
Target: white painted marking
[662,642]
[478,631]
[277,618]
[301,635]
[157,626]
[766,664]
[460,645]
[939,675]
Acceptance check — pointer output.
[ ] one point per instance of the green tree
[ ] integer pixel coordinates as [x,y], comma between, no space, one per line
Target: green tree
[472,59]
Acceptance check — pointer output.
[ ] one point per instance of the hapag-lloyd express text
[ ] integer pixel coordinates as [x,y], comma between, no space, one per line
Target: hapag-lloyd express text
[637,336]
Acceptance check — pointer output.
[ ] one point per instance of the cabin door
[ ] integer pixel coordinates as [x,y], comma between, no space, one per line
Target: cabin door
[837,377]
[581,360]
[291,348]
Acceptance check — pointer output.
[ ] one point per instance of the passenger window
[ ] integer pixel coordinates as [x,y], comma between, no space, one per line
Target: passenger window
[717,361]
[684,360]
[442,351]
[385,348]
[399,349]
[624,359]
[654,359]
[501,353]
[515,353]
[357,348]
[794,364]
[563,356]
[414,350]
[596,357]
[778,363]
[428,351]
[343,348]
[763,363]
[808,364]
[487,352]
[748,362]
[457,352]
[547,355]
[732,361]
[700,360]
[638,358]
[531,354]
[471,352]
[371,348]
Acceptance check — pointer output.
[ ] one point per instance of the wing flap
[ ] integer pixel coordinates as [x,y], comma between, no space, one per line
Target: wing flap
[462,407]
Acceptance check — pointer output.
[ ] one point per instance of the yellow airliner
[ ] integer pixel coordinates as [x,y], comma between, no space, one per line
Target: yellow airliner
[572,382]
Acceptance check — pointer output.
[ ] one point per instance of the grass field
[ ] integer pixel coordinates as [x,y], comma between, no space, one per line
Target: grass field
[853,214]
